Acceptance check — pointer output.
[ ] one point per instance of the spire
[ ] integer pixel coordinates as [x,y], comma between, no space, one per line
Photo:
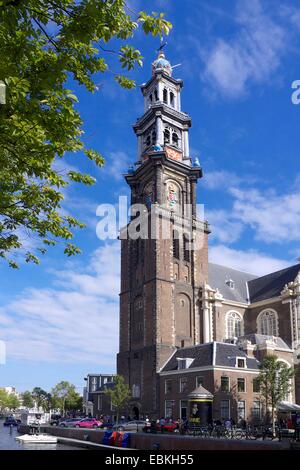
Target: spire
[161,63]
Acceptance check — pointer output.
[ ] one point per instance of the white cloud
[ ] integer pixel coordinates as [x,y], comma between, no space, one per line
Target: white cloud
[251,261]
[224,227]
[116,164]
[273,217]
[74,320]
[221,180]
[252,55]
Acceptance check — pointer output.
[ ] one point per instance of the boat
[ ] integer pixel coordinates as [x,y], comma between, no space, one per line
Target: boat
[37,439]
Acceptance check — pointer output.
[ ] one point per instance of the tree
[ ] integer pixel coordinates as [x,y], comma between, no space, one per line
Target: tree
[41,398]
[13,402]
[275,383]
[3,399]
[119,394]
[74,401]
[43,44]
[27,399]
[65,396]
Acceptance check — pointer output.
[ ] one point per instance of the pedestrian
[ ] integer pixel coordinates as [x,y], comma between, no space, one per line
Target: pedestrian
[162,423]
[227,423]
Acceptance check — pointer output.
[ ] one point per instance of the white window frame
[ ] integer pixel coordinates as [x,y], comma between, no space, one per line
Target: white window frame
[229,409]
[253,382]
[243,359]
[180,382]
[259,320]
[245,409]
[259,409]
[180,407]
[226,377]
[245,383]
[172,407]
[226,323]
[166,391]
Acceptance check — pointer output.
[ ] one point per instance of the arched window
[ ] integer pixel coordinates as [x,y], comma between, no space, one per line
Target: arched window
[175,139]
[155,95]
[148,140]
[172,97]
[167,136]
[186,248]
[267,323]
[153,137]
[175,244]
[150,97]
[165,96]
[234,325]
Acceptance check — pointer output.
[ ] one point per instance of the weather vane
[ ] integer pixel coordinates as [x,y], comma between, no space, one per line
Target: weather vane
[162,44]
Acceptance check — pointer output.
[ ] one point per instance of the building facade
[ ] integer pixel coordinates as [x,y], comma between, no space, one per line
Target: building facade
[96,385]
[172,298]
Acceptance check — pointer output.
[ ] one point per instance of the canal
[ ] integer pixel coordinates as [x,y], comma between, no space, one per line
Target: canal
[8,442]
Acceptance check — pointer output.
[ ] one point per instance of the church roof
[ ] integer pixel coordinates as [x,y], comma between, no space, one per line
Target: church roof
[258,339]
[247,287]
[218,276]
[271,285]
[209,354]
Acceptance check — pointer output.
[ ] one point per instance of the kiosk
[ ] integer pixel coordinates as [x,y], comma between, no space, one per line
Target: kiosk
[200,407]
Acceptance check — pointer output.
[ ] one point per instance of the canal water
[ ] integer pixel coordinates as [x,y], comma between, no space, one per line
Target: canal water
[8,442]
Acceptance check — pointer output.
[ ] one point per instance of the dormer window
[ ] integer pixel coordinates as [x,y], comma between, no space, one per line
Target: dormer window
[230,283]
[240,362]
[184,363]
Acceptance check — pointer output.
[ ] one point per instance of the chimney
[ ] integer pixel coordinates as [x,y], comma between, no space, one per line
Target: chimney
[248,348]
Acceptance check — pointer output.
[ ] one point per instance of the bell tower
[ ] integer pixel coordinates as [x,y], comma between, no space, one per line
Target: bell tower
[164,256]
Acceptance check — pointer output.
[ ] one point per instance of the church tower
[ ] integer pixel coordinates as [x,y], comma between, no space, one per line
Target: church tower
[164,260]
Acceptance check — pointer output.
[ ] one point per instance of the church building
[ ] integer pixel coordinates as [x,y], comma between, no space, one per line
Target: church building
[185,322]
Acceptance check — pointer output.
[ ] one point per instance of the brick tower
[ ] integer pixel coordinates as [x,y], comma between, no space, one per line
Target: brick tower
[161,276]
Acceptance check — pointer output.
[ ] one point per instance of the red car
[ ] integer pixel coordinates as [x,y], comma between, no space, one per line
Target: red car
[89,423]
[169,426]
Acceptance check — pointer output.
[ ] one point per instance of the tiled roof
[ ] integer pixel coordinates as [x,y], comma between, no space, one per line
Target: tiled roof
[225,356]
[202,355]
[258,339]
[217,277]
[259,288]
[271,285]
[227,353]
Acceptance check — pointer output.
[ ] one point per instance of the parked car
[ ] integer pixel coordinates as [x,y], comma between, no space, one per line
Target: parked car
[89,423]
[135,425]
[11,421]
[168,426]
[54,419]
[69,422]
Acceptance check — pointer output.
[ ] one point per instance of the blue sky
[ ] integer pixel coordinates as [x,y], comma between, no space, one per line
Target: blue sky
[238,60]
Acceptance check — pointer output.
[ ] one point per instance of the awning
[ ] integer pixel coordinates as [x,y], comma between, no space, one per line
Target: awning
[286,406]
